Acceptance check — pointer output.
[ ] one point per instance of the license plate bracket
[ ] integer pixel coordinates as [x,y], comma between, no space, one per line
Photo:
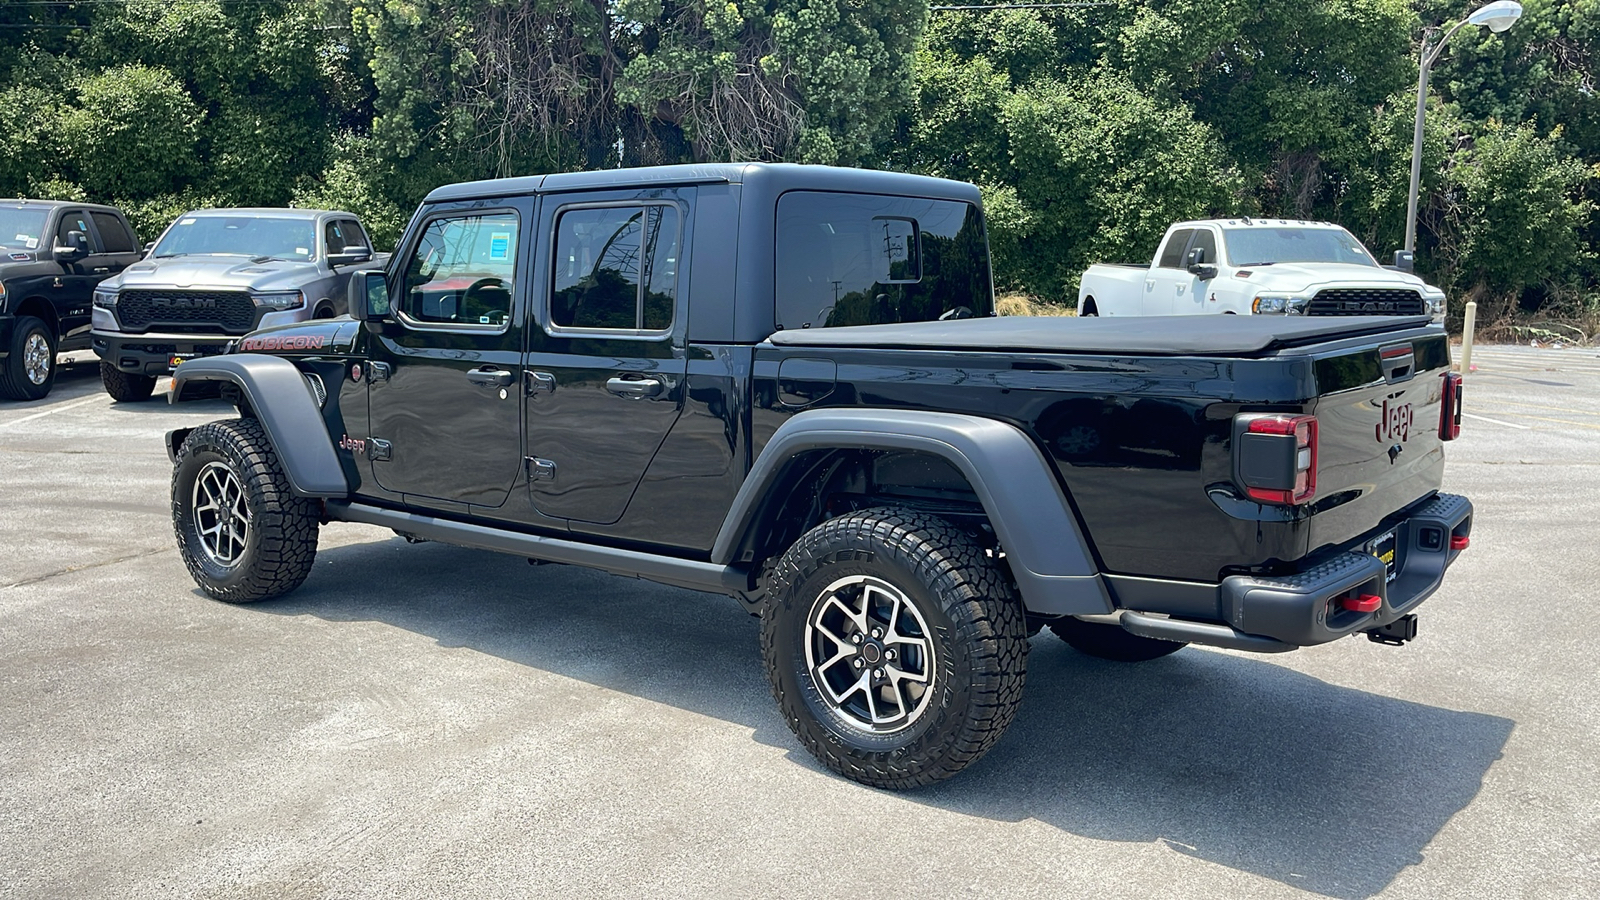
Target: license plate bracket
[1384,548]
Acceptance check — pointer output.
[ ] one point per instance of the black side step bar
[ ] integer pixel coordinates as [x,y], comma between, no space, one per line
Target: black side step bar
[686,573]
[1214,635]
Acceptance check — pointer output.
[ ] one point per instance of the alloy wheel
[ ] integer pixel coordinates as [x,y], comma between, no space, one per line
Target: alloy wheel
[221,516]
[869,653]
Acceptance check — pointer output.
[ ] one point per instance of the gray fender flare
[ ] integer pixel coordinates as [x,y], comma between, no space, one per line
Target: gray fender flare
[284,405]
[1048,555]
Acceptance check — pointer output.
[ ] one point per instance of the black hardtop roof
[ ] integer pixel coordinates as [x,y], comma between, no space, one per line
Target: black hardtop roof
[55,204]
[1206,335]
[778,177]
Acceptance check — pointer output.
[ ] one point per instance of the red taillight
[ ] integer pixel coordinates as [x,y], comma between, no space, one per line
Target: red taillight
[1303,429]
[1450,408]
[1459,541]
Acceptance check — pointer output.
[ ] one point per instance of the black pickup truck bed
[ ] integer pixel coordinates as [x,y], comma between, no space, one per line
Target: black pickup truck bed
[1248,336]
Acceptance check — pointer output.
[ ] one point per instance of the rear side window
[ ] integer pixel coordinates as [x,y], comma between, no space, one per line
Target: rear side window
[616,268]
[113,234]
[862,259]
[1172,253]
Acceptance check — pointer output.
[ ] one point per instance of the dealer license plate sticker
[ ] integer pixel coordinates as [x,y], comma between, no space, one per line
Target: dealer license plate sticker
[1383,549]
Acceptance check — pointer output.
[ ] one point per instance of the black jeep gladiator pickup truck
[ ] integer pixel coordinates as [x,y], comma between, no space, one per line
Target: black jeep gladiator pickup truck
[786,384]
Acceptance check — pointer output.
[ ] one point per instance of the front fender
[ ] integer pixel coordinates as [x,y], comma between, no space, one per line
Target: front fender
[276,393]
[1051,561]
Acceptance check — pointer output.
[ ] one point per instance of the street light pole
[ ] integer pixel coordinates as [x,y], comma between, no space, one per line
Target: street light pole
[1497,17]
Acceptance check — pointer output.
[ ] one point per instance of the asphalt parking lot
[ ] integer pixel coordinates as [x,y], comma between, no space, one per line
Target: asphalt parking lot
[425,721]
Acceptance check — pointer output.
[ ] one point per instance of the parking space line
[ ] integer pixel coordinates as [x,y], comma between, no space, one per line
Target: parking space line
[1562,409]
[52,411]
[1467,415]
[1506,412]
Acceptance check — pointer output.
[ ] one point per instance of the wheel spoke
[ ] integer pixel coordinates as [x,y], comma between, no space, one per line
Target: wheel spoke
[863,616]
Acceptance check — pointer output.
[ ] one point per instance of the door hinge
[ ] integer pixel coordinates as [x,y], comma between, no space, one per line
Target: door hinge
[379,449]
[378,371]
[538,382]
[540,469]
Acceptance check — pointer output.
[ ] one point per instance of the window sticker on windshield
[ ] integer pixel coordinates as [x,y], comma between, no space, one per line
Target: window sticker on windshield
[31,243]
[500,245]
[302,251]
[186,221]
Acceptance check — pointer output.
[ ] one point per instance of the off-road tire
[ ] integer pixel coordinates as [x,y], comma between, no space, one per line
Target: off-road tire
[16,382]
[123,387]
[281,538]
[976,630]
[1103,640]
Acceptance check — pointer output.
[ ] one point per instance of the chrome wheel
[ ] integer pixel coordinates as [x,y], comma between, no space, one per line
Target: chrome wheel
[869,654]
[36,358]
[221,516]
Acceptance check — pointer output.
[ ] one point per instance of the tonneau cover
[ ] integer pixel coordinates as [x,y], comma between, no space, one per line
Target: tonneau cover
[1214,335]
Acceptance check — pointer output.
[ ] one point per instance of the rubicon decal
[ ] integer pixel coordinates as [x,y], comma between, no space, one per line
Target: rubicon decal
[285,342]
[1395,422]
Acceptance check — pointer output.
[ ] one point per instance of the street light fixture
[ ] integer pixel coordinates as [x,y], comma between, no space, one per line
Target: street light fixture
[1497,17]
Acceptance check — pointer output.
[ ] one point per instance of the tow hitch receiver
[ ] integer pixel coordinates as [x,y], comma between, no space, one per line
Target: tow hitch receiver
[1395,633]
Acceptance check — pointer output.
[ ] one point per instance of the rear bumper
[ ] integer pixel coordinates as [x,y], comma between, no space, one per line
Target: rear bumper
[152,354]
[1275,613]
[1305,608]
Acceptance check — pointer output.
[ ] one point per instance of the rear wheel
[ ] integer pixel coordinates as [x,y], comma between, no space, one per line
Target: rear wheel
[124,387]
[1106,641]
[895,647]
[30,370]
[1089,309]
[243,534]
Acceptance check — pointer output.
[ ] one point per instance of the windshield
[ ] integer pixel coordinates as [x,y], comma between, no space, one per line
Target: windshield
[1261,245]
[254,236]
[21,229]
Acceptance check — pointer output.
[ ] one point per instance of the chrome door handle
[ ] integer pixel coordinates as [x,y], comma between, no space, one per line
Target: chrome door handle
[489,377]
[634,388]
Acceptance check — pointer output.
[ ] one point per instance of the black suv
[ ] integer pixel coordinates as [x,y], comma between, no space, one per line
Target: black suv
[52,255]
[786,384]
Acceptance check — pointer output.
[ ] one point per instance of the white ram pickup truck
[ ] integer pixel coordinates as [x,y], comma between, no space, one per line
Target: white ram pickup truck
[1262,266]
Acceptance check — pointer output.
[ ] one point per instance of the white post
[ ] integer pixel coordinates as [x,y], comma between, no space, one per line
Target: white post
[1466,337]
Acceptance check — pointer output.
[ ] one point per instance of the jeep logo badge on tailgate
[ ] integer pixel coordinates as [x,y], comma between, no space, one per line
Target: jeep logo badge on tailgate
[1395,422]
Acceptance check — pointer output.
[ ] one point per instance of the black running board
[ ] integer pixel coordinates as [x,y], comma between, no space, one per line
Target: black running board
[685,573]
[1212,635]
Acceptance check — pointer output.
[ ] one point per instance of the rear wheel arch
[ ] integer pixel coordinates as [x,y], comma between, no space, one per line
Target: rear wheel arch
[1010,487]
[1089,307]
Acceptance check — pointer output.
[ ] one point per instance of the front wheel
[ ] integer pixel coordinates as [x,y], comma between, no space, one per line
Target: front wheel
[124,387]
[29,371]
[895,647]
[243,534]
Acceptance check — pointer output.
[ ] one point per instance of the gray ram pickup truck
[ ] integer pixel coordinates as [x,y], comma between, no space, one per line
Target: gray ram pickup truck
[217,274]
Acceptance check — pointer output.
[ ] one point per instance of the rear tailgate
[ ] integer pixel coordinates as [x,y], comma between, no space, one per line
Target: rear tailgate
[1379,449]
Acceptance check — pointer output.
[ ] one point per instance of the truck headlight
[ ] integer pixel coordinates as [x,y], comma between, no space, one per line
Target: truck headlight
[1279,305]
[280,300]
[105,298]
[1434,304]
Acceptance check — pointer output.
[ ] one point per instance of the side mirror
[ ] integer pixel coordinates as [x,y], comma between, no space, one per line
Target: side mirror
[1196,264]
[350,256]
[77,248]
[369,297]
[1405,261]
[148,249]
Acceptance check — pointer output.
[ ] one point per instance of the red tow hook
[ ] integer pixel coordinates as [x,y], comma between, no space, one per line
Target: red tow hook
[1364,603]
[1459,541]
